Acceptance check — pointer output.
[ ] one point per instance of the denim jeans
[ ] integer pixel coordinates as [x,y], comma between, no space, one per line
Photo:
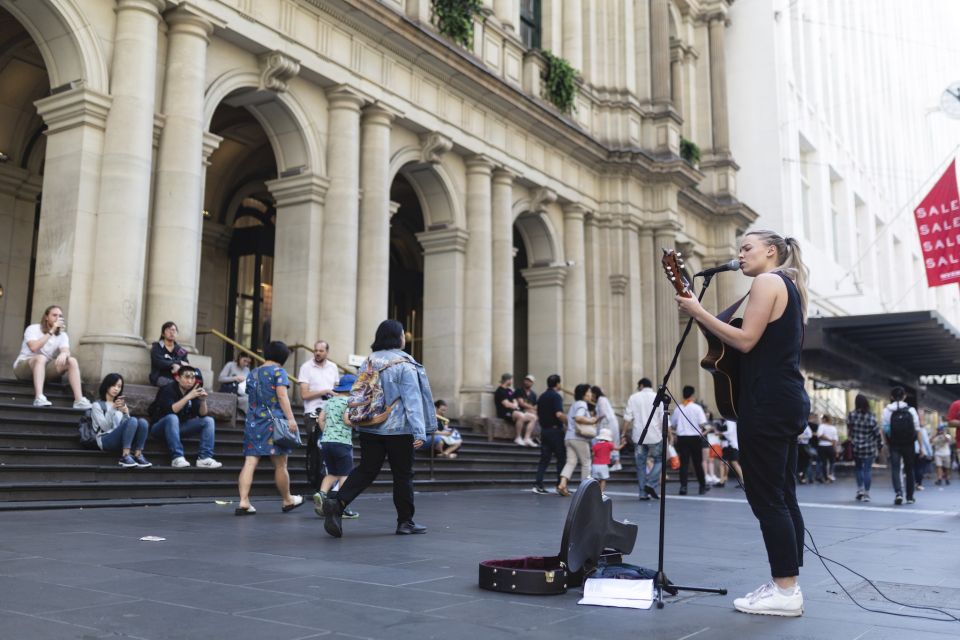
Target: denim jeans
[131,433]
[652,479]
[863,467]
[169,427]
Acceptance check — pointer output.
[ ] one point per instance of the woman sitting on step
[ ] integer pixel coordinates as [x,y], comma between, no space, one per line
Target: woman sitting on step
[116,429]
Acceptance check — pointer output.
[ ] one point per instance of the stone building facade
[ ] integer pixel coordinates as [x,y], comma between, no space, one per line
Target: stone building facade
[303,169]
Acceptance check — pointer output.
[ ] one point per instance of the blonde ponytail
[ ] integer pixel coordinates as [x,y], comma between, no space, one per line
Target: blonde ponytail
[790,261]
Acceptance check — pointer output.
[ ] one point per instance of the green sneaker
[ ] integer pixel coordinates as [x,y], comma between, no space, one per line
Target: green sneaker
[318,498]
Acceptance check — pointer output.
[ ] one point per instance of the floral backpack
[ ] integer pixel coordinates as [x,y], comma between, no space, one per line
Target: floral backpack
[366,406]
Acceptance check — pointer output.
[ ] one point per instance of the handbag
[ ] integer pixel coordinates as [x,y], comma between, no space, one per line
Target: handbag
[282,435]
[586,430]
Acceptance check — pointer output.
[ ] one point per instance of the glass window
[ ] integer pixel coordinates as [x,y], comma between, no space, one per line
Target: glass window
[530,23]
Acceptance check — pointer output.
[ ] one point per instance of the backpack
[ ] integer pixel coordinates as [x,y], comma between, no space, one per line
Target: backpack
[902,432]
[88,432]
[366,406]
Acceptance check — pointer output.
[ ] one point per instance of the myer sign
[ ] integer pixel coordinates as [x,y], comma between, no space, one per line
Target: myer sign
[947,378]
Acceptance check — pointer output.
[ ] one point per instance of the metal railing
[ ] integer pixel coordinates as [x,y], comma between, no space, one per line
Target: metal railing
[256,357]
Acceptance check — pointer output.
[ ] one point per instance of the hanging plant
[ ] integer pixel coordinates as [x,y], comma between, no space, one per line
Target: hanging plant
[454,19]
[561,82]
[689,151]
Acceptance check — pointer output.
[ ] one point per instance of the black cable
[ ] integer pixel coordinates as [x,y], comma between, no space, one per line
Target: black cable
[824,559]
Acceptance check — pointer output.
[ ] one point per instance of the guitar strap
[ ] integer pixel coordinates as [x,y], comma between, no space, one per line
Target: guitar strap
[727,314]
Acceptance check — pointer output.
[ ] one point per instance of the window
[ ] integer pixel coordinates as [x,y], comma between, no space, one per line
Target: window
[836,214]
[530,23]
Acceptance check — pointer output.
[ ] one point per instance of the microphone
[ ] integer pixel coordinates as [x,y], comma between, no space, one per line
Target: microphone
[733,265]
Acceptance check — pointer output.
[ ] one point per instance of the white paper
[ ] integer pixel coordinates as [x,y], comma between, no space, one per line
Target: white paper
[612,592]
[152,539]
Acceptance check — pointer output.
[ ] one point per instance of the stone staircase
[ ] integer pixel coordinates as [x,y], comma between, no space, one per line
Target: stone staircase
[41,461]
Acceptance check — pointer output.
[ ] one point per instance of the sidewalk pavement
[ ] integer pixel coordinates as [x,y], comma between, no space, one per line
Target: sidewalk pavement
[85,573]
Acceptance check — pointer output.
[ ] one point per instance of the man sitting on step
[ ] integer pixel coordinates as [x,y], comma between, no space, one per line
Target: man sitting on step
[180,411]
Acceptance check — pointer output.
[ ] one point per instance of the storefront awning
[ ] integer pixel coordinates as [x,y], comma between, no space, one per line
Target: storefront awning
[919,350]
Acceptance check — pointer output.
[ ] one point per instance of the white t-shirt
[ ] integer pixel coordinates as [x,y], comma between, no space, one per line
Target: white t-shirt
[638,410]
[325,376]
[50,349]
[827,431]
[692,412]
[731,434]
[605,409]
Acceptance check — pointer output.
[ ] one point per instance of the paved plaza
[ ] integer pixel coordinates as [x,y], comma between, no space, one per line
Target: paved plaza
[85,573]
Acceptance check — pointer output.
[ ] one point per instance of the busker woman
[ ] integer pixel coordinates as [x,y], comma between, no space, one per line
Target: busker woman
[410,421]
[772,408]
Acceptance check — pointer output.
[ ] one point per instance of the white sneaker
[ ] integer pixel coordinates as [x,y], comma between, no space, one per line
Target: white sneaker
[518,440]
[179,462]
[208,463]
[767,600]
[616,467]
[82,403]
[530,443]
[41,401]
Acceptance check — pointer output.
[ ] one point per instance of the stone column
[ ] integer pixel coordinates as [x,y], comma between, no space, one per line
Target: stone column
[113,341]
[676,76]
[373,281]
[575,296]
[649,272]
[593,250]
[174,276]
[718,85]
[478,285]
[660,51]
[668,332]
[298,289]
[619,343]
[546,342]
[338,310]
[76,120]
[443,312]
[502,233]
[508,13]
[634,304]
[573,33]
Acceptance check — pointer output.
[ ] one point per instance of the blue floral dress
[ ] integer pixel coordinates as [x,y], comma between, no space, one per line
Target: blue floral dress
[262,385]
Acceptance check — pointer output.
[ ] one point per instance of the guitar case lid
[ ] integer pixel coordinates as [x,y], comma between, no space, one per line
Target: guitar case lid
[589,533]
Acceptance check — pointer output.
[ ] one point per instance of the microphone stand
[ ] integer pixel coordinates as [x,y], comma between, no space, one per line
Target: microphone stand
[661,583]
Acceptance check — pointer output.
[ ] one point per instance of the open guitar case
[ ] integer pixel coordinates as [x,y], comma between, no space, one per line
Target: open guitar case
[590,534]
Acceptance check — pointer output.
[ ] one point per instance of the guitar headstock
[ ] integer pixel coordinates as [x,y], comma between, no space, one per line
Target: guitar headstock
[676,272]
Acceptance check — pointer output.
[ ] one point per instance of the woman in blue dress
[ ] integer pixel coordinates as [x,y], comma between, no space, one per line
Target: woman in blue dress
[267,390]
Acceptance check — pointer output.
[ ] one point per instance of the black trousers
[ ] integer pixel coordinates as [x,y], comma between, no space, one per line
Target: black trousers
[374,449]
[551,445]
[769,467]
[690,448]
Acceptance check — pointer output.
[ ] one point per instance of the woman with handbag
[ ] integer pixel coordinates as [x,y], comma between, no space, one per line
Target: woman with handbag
[581,429]
[270,428]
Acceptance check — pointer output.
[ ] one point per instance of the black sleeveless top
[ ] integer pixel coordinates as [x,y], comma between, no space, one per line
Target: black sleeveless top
[772,399]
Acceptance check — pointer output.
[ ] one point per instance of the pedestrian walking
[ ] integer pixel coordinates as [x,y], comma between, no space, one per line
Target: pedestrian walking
[866,439]
[901,426]
[553,425]
[635,417]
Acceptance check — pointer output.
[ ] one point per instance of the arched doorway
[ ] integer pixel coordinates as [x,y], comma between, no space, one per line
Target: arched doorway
[406,263]
[236,279]
[520,309]
[23,80]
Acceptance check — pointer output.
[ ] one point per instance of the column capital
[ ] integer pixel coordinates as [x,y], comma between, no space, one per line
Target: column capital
[276,70]
[550,276]
[574,211]
[618,284]
[191,19]
[394,208]
[298,189]
[443,240]
[502,175]
[433,145]
[74,108]
[380,114]
[541,197]
[152,7]
[342,96]
[479,164]
[211,142]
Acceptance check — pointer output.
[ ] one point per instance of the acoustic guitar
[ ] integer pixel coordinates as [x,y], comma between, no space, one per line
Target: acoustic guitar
[721,360]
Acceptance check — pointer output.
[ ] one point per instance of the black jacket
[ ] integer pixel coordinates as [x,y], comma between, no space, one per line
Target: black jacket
[162,360]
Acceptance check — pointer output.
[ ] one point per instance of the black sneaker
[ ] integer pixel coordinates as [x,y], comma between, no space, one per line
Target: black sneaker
[898,499]
[410,527]
[683,491]
[645,498]
[703,490]
[142,463]
[910,501]
[332,514]
[650,491]
[349,514]
[127,462]
[540,491]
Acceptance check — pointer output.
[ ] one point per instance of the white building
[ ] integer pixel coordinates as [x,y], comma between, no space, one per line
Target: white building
[833,124]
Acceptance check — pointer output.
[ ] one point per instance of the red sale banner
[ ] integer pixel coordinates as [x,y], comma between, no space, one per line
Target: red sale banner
[938,222]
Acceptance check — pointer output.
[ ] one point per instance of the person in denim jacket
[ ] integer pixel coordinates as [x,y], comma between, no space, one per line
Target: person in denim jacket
[411,420]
